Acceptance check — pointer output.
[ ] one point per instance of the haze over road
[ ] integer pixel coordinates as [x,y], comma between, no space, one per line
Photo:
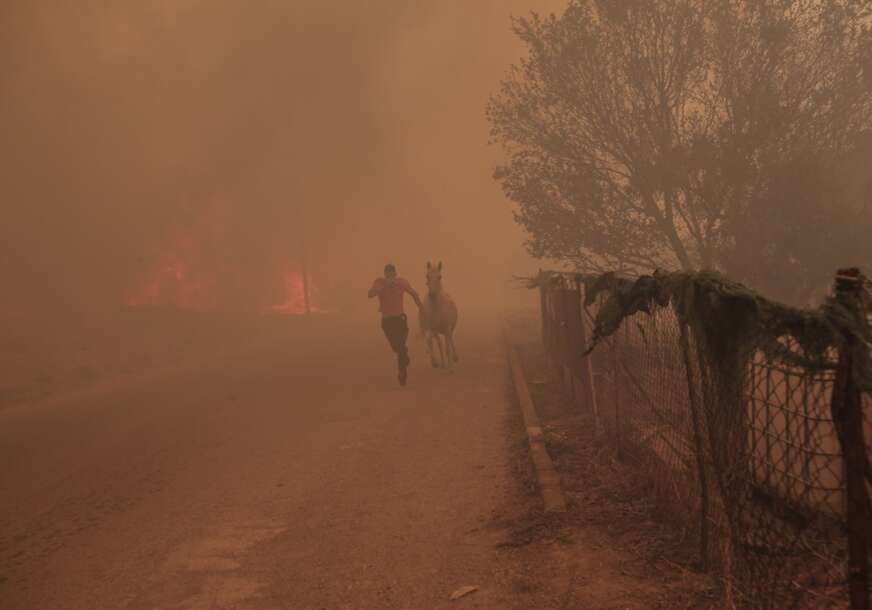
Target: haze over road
[281,478]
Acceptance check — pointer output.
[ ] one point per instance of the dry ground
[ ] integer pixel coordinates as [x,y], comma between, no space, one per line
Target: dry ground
[292,472]
[52,355]
[280,466]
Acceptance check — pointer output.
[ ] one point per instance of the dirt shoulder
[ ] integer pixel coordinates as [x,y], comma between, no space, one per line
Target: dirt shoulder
[610,549]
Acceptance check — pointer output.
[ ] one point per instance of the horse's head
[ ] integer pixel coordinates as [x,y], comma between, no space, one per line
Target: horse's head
[434,278]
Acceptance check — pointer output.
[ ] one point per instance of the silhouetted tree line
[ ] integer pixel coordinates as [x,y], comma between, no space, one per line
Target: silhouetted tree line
[694,134]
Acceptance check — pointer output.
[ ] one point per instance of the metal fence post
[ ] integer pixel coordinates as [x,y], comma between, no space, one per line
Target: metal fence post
[699,449]
[543,310]
[616,391]
[563,344]
[567,342]
[587,379]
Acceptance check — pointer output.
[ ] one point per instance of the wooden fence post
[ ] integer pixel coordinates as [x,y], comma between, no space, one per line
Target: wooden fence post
[847,412]
[572,348]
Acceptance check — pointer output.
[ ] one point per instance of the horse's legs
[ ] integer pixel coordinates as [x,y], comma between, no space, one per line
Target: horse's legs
[447,361]
[443,346]
[430,350]
[454,355]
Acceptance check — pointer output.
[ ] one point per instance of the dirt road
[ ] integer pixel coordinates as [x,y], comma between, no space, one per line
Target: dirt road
[298,476]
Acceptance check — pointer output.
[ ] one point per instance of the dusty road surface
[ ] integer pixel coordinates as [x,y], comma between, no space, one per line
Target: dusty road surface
[294,476]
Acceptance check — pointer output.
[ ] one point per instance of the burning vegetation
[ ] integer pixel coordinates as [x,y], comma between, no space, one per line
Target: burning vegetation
[184,278]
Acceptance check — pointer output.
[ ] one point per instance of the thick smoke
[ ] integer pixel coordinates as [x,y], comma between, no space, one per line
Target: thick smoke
[352,130]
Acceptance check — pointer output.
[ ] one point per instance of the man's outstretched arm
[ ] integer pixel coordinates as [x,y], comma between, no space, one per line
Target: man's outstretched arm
[376,288]
[414,295]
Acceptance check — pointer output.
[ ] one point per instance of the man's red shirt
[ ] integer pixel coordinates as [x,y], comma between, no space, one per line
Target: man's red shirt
[390,296]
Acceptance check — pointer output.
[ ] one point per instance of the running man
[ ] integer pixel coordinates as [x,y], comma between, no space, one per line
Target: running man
[390,290]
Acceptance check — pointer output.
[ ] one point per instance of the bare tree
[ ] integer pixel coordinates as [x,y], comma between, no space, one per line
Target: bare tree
[660,133]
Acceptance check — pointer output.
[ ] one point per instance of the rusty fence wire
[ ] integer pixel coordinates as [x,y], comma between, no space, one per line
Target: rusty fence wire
[754,468]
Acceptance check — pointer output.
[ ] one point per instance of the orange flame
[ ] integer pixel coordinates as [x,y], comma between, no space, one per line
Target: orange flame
[174,282]
[186,277]
[294,302]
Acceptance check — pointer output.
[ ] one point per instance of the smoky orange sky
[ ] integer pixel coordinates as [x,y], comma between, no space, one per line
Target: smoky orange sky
[232,132]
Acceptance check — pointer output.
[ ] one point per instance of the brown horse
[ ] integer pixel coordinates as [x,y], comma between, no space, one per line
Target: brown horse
[438,319]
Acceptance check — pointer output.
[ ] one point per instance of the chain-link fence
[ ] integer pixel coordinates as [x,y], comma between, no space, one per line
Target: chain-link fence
[742,417]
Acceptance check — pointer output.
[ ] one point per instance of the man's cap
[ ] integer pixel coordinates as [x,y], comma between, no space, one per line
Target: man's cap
[389,268]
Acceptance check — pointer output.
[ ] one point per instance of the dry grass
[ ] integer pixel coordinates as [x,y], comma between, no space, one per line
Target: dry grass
[610,505]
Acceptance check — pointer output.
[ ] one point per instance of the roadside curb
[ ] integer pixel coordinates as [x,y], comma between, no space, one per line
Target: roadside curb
[546,474]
